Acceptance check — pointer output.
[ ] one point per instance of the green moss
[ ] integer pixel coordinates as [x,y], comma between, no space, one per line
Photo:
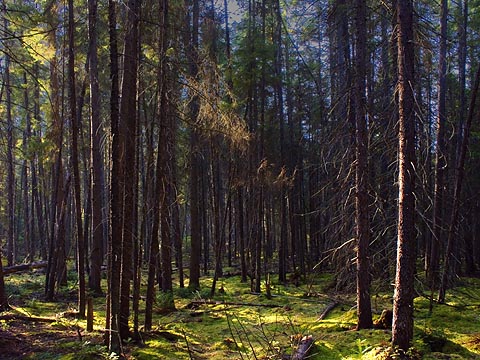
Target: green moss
[244,331]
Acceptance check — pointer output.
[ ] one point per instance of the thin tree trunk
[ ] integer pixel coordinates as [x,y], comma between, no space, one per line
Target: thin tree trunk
[195,231]
[460,172]
[362,219]
[28,219]
[283,246]
[241,234]
[56,245]
[116,195]
[128,124]
[97,176]
[440,156]
[402,328]
[36,197]
[3,296]
[10,161]
[165,150]
[75,162]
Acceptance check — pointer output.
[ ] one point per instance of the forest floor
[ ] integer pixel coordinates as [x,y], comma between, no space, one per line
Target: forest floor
[237,324]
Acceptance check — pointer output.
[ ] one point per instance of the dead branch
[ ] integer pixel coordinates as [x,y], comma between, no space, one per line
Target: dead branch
[24,267]
[194,304]
[327,310]
[10,317]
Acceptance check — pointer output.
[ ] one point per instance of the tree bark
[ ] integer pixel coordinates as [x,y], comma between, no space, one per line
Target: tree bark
[402,328]
[440,156]
[75,162]
[56,244]
[10,159]
[460,172]
[364,311]
[128,126]
[195,231]
[3,294]
[97,177]
[27,211]
[116,194]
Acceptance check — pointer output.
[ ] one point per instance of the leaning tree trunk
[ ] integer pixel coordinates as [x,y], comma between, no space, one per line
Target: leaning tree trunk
[402,328]
[460,171]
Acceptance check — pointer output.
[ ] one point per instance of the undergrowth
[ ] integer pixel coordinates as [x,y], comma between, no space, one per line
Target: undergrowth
[233,326]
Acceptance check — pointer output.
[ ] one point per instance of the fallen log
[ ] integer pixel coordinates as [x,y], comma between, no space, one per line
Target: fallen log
[303,348]
[194,304]
[11,317]
[327,310]
[24,267]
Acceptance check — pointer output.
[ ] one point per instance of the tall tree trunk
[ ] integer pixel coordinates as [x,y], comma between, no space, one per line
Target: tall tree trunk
[27,210]
[283,245]
[402,327]
[128,126]
[195,231]
[97,176]
[36,196]
[56,245]
[116,194]
[164,155]
[75,161]
[460,171]
[10,161]
[362,219]
[440,156]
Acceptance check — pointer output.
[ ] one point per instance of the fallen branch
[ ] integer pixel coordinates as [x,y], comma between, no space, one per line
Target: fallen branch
[195,304]
[10,317]
[24,267]
[327,310]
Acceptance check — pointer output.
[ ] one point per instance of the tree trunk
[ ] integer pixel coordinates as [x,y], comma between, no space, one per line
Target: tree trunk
[460,171]
[283,246]
[362,219]
[97,177]
[128,126]
[3,295]
[164,154]
[402,328]
[195,231]
[27,211]
[56,245]
[116,194]
[36,196]
[75,161]
[440,156]
[10,162]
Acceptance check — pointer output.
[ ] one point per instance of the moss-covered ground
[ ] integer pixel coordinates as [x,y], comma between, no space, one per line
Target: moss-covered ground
[240,325]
